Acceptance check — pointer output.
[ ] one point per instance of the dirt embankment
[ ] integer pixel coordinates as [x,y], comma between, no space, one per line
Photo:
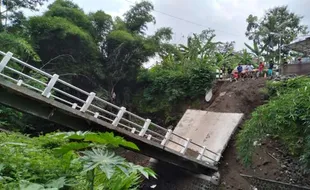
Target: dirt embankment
[238,97]
[270,160]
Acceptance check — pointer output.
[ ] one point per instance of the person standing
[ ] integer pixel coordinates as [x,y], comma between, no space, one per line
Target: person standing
[270,68]
[239,69]
[260,69]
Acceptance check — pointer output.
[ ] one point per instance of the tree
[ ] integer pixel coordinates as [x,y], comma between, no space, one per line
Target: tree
[200,47]
[127,48]
[138,16]
[9,9]
[278,26]
[256,51]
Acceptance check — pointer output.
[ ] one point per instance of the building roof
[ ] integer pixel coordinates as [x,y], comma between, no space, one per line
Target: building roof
[301,44]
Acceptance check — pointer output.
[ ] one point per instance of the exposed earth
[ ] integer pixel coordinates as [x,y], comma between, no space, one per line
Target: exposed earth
[270,161]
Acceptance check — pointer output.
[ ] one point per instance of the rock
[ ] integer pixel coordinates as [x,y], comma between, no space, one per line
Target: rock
[266,162]
[265,173]
[283,166]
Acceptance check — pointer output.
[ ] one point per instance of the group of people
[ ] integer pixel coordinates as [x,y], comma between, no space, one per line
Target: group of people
[249,72]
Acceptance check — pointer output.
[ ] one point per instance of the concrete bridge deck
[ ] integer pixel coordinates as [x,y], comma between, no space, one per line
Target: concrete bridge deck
[30,102]
[51,98]
[211,129]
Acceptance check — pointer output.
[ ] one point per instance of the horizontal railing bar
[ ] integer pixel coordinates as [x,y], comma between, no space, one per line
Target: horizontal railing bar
[159,140]
[25,84]
[34,88]
[176,143]
[162,128]
[29,77]
[126,120]
[103,110]
[63,100]
[106,102]
[101,116]
[121,124]
[179,136]
[193,143]
[155,133]
[153,138]
[74,87]
[69,95]
[8,77]
[136,116]
[93,113]
[209,158]
[31,67]
[206,148]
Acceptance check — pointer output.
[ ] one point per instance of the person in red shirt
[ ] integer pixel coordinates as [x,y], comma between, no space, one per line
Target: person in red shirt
[260,69]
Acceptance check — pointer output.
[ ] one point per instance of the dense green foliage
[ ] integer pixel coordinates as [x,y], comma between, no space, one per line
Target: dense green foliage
[286,117]
[165,88]
[67,161]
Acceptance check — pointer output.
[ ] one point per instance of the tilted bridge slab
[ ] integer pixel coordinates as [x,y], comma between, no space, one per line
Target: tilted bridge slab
[81,110]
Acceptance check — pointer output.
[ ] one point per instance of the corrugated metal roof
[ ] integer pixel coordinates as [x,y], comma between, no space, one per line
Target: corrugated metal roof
[301,44]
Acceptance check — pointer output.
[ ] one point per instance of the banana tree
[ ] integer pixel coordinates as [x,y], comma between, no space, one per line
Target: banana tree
[255,50]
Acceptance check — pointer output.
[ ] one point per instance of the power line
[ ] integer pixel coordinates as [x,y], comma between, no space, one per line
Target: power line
[188,21]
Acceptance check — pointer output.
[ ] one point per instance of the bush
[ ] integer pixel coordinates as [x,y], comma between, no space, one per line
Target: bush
[72,160]
[286,116]
[165,88]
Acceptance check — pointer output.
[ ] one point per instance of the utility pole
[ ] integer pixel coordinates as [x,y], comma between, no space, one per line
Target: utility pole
[279,46]
[280,49]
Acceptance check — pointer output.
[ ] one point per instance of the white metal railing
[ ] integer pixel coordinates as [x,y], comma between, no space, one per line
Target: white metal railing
[97,107]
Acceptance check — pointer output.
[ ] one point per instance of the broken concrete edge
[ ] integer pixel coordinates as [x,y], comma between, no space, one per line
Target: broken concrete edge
[234,131]
[28,101]
[214,178]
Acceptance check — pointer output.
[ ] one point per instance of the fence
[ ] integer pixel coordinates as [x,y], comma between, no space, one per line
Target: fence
[298,69]
[51,86]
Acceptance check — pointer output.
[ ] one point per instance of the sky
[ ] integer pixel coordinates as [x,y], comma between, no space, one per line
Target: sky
[226,17]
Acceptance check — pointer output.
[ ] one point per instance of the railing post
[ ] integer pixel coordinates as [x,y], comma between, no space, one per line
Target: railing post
[145,127]
[5,60]
[119,116]
[185,145]
[217,73]
[74,105]
[149,137]
[201,153]
[96,115]
[50,85]
[20,82]
[133,130]
[167,137]
[88,101]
